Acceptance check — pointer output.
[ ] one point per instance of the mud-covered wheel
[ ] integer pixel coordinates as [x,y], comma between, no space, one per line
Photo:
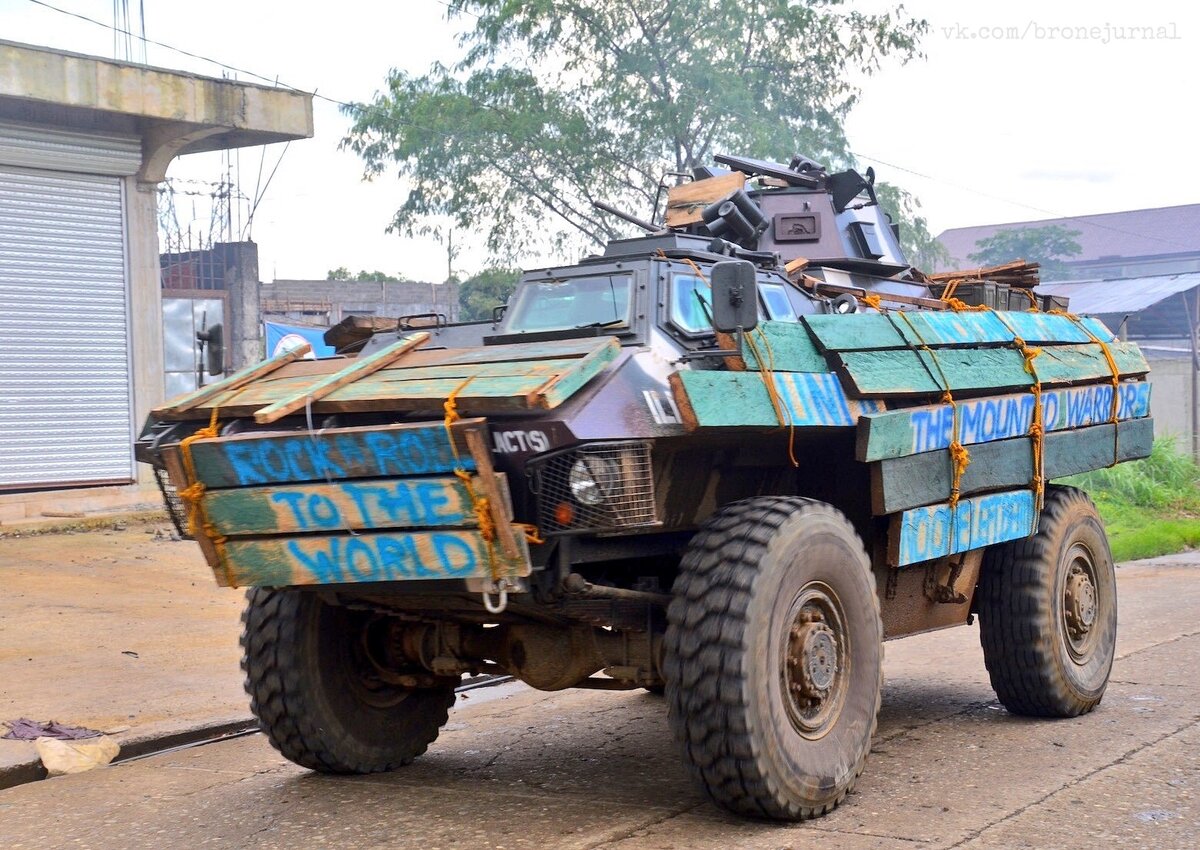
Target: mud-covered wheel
[1048,611]
[319,693]
[774,657]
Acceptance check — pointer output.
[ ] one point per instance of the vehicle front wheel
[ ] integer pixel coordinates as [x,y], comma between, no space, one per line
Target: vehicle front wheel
[1048,611]
[774,657]
[319,693]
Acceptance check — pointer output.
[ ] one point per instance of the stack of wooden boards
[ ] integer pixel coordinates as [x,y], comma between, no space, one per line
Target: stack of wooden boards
[887,374]
[290,505]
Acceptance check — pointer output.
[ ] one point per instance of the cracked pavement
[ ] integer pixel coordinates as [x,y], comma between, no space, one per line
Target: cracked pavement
[515,768]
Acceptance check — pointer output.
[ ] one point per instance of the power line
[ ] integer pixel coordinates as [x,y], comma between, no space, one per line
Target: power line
[358,108]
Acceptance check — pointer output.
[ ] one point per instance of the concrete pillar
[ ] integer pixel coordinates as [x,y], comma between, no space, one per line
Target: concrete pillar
[244,337]
[145,298]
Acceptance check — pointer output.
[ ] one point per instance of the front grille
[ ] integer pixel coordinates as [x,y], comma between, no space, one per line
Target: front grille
[623,494]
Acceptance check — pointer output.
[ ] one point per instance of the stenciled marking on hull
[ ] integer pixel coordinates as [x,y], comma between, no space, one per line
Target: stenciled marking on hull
[926,533]
[1002,417]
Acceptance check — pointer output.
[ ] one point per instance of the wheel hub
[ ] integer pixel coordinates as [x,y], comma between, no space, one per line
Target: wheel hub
[1081,607]
[812,659]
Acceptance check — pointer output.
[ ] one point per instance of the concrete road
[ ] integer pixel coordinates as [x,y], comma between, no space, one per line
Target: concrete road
[517,769]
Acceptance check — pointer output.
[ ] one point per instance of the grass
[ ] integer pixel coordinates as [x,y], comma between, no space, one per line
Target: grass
[1150,507]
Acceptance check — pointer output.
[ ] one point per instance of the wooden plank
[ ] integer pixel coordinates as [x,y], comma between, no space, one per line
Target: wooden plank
[927,428]
[360,367]
[425,379]
[372,557]
[489,484]
[881,374]
[569,379]
[786,346]
[867,331]
[687,201]
[234,381]
[923,534]
[907,482]
[739,399]
[246,460]
[340,506]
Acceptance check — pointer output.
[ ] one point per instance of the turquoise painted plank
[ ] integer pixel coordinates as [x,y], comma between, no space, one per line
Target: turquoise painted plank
[907,482]
[712,399]
[868,331]
[930,427]
[573,376]
[319,506]
[911,373]
[785,346]
[927,533]
[369,557]
[335,453]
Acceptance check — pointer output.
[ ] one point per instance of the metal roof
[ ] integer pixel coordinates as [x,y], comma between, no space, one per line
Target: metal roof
[1125,295]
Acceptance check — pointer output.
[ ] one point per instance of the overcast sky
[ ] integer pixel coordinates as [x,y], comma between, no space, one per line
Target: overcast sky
[1021,110]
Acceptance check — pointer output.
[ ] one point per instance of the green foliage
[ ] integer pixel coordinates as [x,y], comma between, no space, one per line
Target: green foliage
[343,273]
[1048,246]
[478,294]
[555,104]
[1150,507]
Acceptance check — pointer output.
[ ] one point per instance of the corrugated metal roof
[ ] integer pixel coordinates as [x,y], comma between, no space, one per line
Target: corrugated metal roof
[1126,295]
[1128,233]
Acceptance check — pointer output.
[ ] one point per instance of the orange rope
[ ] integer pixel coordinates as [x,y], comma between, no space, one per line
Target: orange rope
[480,504]
[193,496]
[1115,373]
[873,301]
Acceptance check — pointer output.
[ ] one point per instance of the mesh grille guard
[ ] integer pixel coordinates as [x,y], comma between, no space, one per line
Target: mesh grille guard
[620,496]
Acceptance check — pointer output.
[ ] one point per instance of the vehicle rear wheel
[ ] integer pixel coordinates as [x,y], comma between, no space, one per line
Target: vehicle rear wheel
[320,694]
[1048,611]
[774,657]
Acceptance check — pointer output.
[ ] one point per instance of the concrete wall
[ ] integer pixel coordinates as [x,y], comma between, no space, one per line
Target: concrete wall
[330,301]
[1172,403]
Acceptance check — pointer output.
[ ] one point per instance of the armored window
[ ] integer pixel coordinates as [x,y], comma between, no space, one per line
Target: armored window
[778,306]
[691,305]
[571,303]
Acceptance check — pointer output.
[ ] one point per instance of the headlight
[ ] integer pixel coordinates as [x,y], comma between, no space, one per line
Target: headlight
[591,479]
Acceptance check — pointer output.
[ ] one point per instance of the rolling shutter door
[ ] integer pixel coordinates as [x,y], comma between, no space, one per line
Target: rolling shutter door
[65,391]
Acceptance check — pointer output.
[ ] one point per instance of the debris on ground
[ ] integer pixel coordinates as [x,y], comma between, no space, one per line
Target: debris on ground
[24,729]
[76,756]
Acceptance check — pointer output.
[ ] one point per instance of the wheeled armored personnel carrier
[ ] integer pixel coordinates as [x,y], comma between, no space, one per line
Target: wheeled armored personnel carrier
[726,460]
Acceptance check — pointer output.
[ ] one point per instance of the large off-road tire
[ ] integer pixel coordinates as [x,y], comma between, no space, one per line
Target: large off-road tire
[1048,611]
[774,657]
[316,694]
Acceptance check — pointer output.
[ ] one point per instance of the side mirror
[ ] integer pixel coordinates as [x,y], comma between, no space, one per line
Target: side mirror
[213,341]
[734,296]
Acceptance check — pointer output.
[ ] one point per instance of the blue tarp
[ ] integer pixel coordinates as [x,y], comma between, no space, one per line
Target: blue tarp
[282,338]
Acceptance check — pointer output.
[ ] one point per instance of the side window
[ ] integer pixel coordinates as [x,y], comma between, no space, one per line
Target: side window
[691,302]
[779,307]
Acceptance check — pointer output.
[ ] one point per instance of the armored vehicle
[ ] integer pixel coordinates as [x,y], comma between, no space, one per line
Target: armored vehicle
[725,460]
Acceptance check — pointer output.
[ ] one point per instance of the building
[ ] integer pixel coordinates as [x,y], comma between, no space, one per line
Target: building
[327,302]
[1129,244]
[84,142]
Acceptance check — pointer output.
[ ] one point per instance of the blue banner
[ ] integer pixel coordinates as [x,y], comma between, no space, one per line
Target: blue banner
[281,338]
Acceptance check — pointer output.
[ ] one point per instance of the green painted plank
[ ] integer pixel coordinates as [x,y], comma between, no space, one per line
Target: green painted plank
[927,533]
[786,346]
[912,373]
[252,459]
[868,331]
[911,430]
[371,557]
[572,377]
[341,505]
[907,482]
[710,399]
[853,332]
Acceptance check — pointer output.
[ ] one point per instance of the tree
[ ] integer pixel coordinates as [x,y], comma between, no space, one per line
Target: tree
[343,273]
[1047,246]
[556,104]
[478,294]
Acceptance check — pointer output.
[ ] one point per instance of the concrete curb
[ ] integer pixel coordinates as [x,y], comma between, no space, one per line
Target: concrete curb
[135,746]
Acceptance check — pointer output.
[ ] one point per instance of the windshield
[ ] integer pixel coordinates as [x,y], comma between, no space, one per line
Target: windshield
[571,303]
